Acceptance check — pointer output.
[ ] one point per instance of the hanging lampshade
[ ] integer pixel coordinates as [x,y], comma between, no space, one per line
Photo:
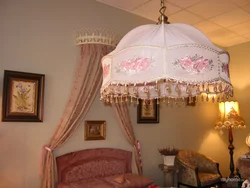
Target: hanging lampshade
[165,61]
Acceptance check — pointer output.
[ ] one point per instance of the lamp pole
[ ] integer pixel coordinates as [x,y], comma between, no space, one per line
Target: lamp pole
[231,151]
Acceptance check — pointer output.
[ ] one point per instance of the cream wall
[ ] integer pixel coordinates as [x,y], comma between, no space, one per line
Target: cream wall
[38,36]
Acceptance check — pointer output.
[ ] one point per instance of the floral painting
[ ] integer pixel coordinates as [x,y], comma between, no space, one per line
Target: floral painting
[148,111]
[23,97]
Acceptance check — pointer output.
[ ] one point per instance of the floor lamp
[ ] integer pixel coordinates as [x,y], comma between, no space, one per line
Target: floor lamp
[229,118]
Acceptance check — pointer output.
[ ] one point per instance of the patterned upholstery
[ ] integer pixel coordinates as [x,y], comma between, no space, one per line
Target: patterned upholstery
[92,163]
[244,167]
[197,170]
[94,169]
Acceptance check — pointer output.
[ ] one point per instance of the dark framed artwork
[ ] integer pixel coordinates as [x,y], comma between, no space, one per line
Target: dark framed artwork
[190,101]
[95,130]
[148,111]
[23,97]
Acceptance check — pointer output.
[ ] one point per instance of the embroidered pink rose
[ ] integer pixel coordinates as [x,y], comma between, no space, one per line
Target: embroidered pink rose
[106,69]
[186,63]
[135,65]
[225,68]
[196,64]
[200,64]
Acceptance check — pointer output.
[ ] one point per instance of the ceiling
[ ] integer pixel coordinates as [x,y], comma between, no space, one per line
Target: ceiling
[225,22]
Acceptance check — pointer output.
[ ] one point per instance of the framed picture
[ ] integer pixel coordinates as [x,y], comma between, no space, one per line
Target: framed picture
[148,111]
[23,97]
[190,101]
[95,130]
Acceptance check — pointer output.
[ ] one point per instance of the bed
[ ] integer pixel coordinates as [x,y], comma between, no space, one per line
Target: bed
[98,168]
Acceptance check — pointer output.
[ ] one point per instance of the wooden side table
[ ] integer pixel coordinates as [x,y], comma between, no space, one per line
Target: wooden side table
[170,175]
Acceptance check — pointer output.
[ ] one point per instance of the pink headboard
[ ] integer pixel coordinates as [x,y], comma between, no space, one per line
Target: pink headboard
[92,163]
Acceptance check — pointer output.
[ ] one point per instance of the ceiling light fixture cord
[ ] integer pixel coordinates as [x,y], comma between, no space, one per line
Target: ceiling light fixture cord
[163,18]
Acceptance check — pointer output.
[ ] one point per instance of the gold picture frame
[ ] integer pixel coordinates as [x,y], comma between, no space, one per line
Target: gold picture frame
[95,130]
[148,111]
[23,97]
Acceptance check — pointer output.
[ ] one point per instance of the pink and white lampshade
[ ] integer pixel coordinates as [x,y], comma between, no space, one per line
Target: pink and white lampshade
[165,62]
[229,116]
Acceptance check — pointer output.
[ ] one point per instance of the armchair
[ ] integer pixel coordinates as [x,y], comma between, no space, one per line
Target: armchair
[243,165]
[197,170]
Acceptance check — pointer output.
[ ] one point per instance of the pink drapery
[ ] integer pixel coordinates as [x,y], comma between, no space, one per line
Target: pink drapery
[127,127]
[85,87]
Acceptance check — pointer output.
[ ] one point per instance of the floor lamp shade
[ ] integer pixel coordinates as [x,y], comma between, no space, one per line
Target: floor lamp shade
[229,116]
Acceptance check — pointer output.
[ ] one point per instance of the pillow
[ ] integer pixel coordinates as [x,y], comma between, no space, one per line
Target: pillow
[130,180]
[153,186]
[120,179]
[90,183]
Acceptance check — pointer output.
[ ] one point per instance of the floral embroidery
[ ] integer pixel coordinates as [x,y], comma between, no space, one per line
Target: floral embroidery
[196,64]
[134,65]
[106,69]
[225,68]
[23,96]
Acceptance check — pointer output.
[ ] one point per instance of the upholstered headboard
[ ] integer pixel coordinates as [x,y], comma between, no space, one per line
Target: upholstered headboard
[92,163]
